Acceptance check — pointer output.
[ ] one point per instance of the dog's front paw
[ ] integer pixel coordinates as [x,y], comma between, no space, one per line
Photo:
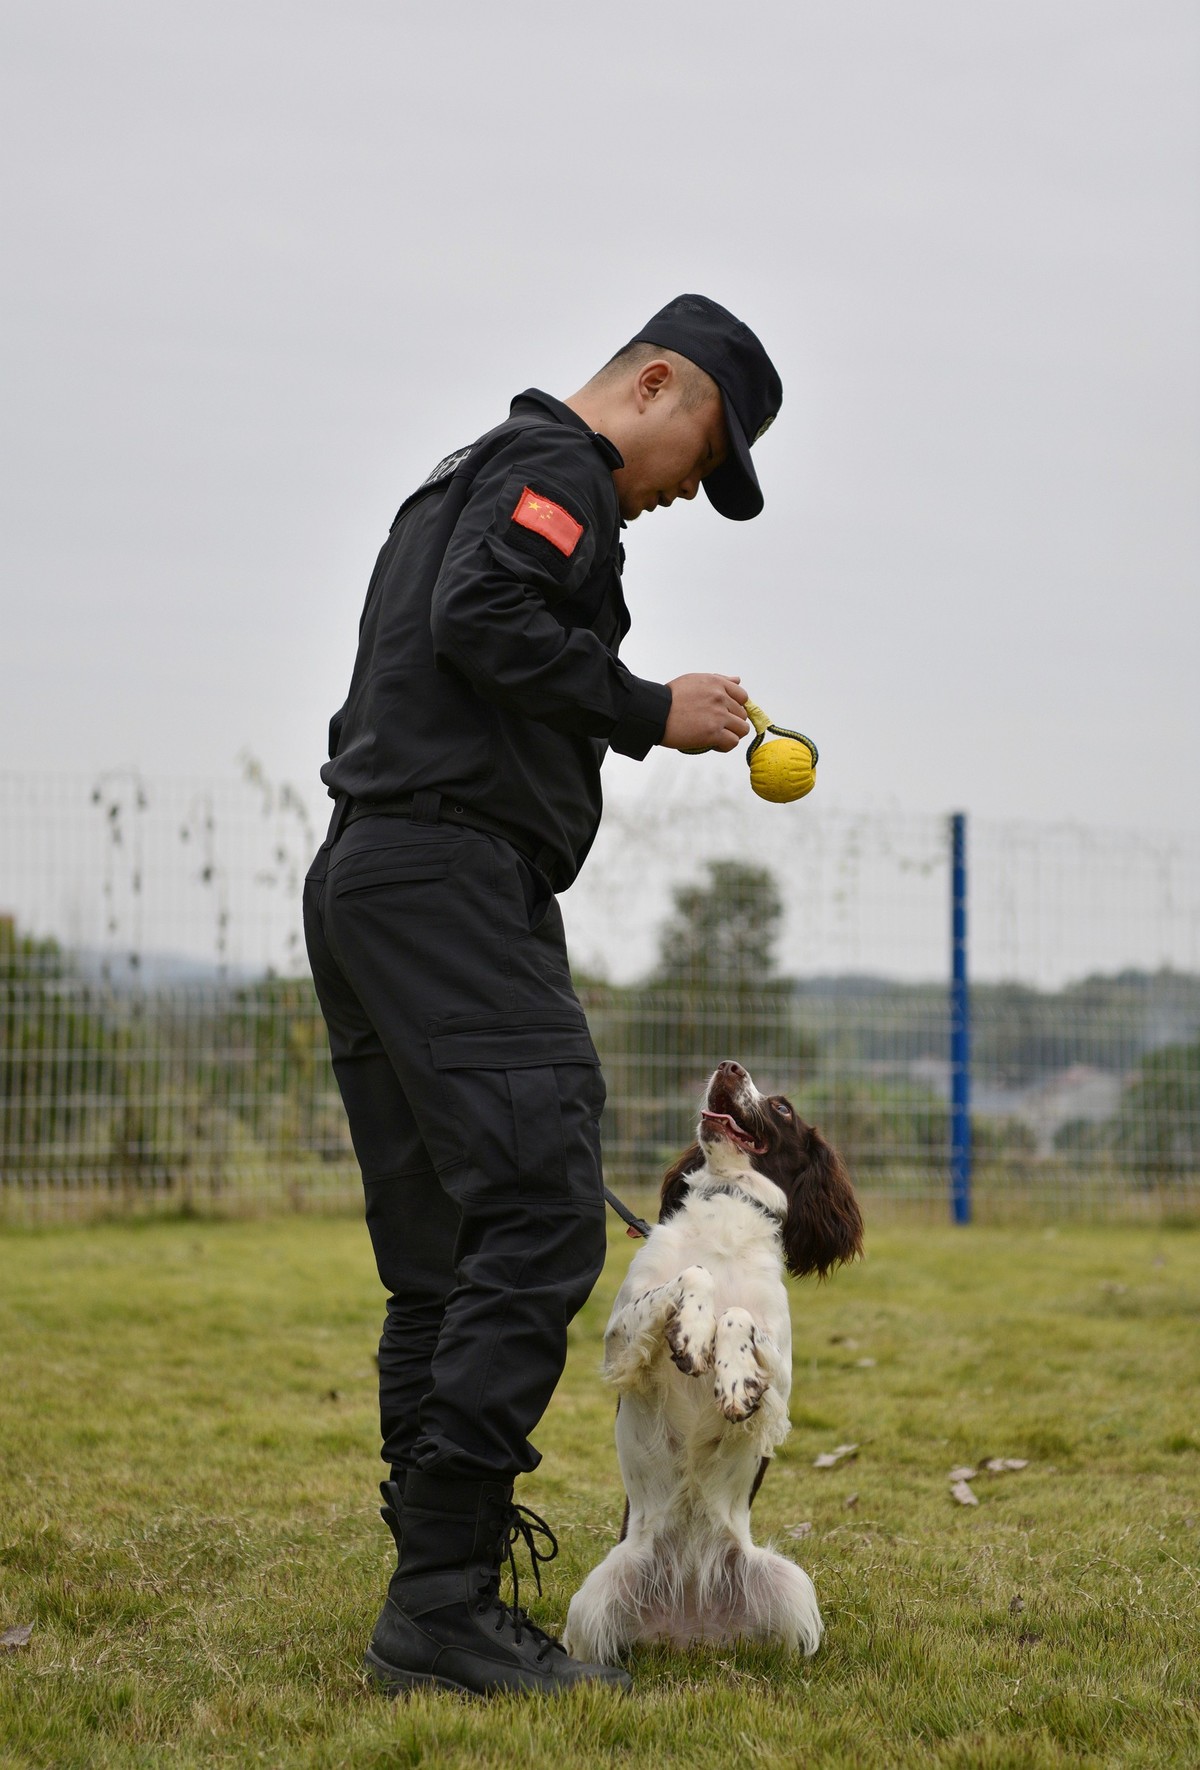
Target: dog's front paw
[740,1381]
[691,1331]
[739,1397]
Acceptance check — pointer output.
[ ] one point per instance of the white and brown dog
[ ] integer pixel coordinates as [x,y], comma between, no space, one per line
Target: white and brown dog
[705,1299]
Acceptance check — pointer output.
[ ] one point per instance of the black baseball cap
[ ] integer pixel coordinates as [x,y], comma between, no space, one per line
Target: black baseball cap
[751,391]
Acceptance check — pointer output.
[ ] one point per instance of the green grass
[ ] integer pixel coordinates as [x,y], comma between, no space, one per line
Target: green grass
[187,1445]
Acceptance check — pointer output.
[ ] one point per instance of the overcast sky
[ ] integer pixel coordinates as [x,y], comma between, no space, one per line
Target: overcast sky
[266,262]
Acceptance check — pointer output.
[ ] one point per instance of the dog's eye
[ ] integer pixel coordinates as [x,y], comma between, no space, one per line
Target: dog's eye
[782,1108]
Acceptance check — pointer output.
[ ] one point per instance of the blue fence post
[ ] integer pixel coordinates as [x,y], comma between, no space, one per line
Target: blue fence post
[960,1027]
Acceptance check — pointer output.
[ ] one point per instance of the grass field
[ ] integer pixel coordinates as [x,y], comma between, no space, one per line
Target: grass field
[187,1445]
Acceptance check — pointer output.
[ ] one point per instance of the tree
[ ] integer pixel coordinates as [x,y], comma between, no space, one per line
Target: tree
[1158,1125]
[58,1054]
[715,992]
[721,936]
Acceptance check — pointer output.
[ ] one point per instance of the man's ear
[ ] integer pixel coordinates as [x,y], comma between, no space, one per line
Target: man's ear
[651,380]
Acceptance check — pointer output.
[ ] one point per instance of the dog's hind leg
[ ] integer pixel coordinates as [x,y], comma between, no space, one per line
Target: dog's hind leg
[604,1617]
[778,1602]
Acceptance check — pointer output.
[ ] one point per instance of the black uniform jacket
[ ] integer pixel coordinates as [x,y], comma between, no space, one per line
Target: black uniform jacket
[487,663]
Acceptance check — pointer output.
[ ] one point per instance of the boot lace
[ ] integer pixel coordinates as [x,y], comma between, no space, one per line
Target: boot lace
[519,1524]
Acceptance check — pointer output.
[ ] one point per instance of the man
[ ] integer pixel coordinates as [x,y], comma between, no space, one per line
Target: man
[465,767]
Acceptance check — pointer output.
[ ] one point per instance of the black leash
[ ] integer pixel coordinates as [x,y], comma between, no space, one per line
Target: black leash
[637,1226]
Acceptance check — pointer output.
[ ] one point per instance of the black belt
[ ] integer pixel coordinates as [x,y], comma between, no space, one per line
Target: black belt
[429,807]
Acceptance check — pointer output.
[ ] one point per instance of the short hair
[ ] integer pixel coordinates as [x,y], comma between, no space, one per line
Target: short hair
[695,385]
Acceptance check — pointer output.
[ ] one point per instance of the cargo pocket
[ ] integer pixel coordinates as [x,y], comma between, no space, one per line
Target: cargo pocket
[526,1094]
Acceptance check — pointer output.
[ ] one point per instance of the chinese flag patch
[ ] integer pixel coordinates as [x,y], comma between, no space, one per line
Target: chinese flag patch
[546,518]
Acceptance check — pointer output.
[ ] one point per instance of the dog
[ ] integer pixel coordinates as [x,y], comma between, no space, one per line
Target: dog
[698,1347]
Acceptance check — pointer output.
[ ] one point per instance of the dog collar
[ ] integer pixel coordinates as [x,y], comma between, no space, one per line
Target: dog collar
[738,1192]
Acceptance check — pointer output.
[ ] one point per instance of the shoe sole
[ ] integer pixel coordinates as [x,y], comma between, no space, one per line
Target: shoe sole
[395,1681]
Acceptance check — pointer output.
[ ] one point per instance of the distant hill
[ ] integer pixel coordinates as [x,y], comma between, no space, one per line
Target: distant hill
[1019,1034]
[155,970]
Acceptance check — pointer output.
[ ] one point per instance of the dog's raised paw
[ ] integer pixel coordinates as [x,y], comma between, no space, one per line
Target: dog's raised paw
[738,1397]
[740,1382]
[690,1334]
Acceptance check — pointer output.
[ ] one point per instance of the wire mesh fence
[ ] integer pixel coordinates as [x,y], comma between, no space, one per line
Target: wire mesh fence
[161,1047]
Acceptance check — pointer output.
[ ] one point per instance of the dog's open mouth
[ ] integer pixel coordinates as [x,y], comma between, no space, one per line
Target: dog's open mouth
[723,1124]
[727,1109]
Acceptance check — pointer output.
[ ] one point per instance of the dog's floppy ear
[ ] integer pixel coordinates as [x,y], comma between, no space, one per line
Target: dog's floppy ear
[674,1186]
[824,1225]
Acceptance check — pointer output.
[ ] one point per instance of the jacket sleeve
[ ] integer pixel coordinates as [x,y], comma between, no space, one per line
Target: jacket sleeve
[540,521]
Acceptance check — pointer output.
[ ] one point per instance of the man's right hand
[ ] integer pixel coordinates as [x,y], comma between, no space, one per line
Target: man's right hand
[706,713]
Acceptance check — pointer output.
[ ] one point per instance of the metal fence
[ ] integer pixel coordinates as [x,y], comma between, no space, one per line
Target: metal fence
[161,1049]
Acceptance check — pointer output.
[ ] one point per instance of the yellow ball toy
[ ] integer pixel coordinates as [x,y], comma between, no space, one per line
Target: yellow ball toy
[783,769]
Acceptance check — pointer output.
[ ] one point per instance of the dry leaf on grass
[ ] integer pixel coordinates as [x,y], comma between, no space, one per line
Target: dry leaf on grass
[865,1364]
[11,1639]
[1017,1605]
[798,1530]
[1002,1465]
[963,1474]
[961,1491]
[851,1499]
[829,1459]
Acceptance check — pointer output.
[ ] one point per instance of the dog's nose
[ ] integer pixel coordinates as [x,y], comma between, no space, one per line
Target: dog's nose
[734,1071]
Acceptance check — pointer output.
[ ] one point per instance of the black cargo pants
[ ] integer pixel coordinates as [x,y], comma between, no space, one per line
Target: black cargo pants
[473,1092]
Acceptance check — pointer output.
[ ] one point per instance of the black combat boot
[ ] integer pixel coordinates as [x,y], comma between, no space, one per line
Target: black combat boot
[444,1626]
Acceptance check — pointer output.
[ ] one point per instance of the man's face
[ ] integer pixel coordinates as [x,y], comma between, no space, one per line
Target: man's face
[672,448]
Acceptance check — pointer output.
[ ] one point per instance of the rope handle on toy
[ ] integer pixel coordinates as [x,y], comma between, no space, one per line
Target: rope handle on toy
[762,725]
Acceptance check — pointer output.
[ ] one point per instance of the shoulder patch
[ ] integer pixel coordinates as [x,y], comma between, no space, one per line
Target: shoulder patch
[446,467]
[544,517]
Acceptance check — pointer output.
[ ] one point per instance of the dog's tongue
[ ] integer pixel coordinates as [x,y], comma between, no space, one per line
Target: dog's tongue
[721,1118]
[731,1125]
